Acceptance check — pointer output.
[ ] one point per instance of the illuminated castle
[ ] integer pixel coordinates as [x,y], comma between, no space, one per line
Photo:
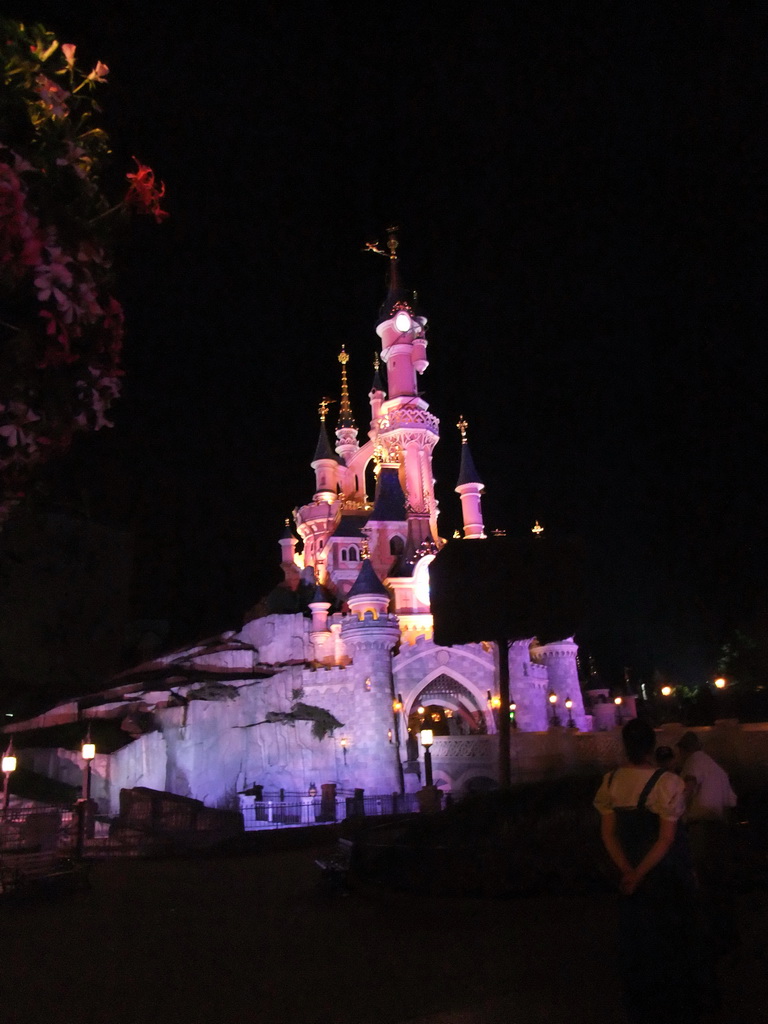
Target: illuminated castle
[331,679]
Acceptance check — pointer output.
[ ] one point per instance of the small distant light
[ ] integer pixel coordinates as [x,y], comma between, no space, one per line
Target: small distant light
[617,700]
[720,683]
[420,709]
[666,691]
[89,751]
[9,714]
[569,703]
[9,763]
[552,698]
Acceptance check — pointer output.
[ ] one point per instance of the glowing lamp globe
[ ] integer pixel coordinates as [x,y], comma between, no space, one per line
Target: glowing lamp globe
[666,691]
[89,751]
[403,322]
[720,683]
[9,763]
[427,737]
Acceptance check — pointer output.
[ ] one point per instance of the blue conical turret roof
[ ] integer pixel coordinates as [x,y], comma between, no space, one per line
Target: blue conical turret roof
[367,582]
[323,449]
[467,472]
[389,505]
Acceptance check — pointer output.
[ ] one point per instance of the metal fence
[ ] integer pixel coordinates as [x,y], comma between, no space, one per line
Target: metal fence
[28,827]
[281,809]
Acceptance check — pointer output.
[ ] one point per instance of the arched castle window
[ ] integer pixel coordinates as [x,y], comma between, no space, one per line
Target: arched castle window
[353,554]
[396,546]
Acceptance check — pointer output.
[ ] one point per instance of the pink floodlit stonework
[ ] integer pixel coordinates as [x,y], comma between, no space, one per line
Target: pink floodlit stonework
[333,679]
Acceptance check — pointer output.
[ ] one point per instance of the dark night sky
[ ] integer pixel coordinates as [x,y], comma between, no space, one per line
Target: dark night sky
[582,199]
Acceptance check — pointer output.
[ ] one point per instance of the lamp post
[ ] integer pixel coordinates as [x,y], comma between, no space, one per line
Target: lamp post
[552,698]
[344,742]
[88,752]
[569,706]
[9,765]
[427,738]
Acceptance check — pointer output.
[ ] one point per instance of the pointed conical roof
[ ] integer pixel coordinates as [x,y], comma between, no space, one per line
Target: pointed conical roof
[378,384]
[467,472]
[287,533]
[323,449]
[397,296]
[389,505]
[367,582]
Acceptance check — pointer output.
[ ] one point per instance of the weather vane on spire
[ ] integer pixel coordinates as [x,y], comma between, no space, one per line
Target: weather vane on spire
[462,426]
[323,407]
[537,528]
[392,244]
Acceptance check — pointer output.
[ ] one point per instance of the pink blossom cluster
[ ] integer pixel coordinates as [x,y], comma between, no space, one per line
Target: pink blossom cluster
[20,238]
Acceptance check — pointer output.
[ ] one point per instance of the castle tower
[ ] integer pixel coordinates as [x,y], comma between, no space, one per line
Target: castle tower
[470,487]
[563,677]
[407,431]
[325,463]
[369,635]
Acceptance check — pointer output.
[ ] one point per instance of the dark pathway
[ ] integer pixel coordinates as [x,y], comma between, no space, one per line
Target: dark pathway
[250,939]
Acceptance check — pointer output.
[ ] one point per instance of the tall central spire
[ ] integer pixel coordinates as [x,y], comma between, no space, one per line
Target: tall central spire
[346,430]
[346,419]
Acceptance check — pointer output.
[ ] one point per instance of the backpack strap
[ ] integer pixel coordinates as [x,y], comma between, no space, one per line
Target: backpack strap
[647,788]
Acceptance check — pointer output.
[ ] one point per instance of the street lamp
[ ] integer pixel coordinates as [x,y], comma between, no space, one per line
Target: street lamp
[427,738]
[552,698]
[344,744]
[88,752]
[569,706]
[9,765]
[720,683]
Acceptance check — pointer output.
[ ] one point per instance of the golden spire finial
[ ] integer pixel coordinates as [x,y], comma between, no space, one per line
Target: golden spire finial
[287,521]
[462,426]
[323,408]
[346,419]
[364,549]
[537,528]
[376,363]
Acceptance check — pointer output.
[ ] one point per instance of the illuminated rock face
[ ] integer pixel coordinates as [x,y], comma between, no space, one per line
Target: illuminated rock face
[327,685]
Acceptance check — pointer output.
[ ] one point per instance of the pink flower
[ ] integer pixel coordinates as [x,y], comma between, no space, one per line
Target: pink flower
[99,73]
[68,49]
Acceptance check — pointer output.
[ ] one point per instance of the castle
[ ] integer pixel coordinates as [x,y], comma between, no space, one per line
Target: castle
[338,670]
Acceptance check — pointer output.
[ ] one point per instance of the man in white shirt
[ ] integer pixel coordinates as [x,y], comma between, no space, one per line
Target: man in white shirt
[708,788]
[710,799]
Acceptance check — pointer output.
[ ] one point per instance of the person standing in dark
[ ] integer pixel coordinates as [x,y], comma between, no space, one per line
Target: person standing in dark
[710,803]
[665,970]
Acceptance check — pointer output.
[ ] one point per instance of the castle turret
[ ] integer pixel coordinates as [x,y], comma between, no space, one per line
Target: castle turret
[369,635]
[325,463]
[559,660]
[470,487]
[407,431]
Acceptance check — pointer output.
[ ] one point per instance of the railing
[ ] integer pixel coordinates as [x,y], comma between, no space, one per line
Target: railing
[281,810]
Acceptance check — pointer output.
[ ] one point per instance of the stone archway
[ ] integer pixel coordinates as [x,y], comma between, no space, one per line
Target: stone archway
[456,707]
